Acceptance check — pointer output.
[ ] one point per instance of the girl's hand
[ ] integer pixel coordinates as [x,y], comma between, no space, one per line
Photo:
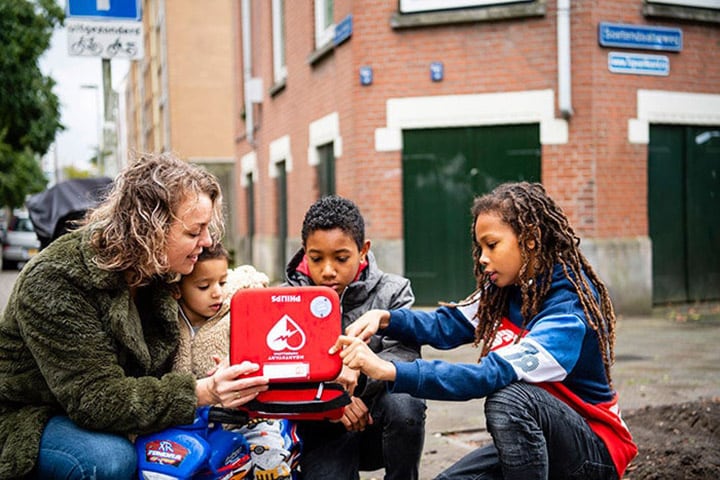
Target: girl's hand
[355,354]
[368,324]
[348,378]
[229,387]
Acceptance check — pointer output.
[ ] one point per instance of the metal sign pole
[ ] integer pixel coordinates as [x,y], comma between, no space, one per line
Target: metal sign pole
[109,112]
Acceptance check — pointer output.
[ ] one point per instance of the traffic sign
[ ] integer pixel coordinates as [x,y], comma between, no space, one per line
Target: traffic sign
[105,39]
[105,28]
[104,9]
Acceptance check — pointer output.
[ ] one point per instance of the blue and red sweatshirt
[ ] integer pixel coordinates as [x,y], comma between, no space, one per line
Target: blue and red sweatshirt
[559,352]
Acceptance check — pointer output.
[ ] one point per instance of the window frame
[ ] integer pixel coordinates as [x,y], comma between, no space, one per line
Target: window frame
[279,41]
[415,6]
[710,4]
[325,169]
[281,212]
[324,26]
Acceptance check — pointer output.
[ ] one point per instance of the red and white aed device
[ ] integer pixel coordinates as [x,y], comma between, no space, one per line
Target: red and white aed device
[288,332]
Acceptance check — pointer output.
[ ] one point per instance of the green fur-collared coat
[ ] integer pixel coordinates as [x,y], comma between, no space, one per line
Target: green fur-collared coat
[73,342]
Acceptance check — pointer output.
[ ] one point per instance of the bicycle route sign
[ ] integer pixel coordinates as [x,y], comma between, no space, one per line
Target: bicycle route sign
[105,28]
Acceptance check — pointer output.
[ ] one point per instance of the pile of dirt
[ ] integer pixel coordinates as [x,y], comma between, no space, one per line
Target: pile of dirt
[680,441]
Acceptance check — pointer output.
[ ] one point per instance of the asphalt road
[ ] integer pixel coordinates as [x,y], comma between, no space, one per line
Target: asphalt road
[7,279]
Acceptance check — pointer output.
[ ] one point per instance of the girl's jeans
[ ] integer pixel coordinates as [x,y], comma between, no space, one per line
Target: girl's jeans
[535,436]
[394,441]
[70,452]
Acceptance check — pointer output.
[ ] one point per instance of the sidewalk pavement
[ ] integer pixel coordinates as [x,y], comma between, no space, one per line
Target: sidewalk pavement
[665,358]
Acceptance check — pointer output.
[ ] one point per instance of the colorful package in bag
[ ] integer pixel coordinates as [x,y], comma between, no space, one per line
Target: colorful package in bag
[288,332]
[201,450]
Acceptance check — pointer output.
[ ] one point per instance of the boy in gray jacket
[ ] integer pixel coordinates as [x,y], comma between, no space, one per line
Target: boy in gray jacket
[379,429]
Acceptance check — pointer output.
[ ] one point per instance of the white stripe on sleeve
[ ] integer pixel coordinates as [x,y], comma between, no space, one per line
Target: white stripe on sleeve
[531,362]
[469,312]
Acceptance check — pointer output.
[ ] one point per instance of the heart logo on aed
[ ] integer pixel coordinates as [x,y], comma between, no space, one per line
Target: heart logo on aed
[285,335]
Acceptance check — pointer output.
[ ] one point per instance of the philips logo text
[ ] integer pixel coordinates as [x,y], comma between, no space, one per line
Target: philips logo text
[285,299]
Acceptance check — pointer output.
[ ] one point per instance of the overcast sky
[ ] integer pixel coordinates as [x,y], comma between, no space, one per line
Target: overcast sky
[79,106]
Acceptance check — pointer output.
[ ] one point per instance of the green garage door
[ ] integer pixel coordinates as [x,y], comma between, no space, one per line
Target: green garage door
[443,170]
[684,212]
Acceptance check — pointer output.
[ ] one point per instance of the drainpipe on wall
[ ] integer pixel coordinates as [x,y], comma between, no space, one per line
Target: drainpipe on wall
[164,76]
[247,71]
[563,46]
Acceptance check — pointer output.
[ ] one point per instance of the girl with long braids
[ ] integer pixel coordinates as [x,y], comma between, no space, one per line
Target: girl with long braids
[545,328]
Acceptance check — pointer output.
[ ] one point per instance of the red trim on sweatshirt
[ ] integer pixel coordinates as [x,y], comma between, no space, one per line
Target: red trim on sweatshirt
[304,268]
[604,418]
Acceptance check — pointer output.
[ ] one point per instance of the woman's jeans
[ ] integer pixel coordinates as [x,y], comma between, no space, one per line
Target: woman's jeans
[70,452]
[394,442]
[535,436]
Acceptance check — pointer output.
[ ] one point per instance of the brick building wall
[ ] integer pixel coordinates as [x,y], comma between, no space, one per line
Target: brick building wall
[182,93]
[594,162]
[200,78]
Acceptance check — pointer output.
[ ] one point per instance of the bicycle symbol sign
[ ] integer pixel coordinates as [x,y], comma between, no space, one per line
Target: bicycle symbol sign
[88,46]
[105,39]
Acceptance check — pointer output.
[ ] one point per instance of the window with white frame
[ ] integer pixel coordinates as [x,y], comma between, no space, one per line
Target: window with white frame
[324,22]
[278,35]
[412,6]
[325,170]
[714,4]
[250,215]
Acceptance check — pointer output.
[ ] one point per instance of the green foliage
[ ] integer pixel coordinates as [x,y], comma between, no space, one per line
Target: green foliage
[71,171]
[29,110]
[20,175]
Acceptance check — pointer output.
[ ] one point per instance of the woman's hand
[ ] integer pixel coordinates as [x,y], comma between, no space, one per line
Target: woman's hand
[356,354]
[228,386]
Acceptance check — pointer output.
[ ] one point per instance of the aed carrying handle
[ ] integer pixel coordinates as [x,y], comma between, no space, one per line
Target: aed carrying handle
[316,405]
[230,416]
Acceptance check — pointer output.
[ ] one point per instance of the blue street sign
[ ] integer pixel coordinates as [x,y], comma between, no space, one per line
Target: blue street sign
[436,71]
[640,37]
[366,76]
[638,63]
[343,30]
[104,9]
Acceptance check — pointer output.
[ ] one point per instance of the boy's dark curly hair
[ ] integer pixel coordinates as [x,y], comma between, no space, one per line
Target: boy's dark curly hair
[334,212]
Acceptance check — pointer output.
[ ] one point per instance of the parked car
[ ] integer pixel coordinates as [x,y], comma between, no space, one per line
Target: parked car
[20,243]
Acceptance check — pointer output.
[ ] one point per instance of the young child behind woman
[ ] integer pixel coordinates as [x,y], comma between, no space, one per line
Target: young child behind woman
[204,303]
[545,327]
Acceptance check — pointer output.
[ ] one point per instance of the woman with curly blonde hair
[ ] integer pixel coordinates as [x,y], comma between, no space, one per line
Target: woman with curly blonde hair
[90,330]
